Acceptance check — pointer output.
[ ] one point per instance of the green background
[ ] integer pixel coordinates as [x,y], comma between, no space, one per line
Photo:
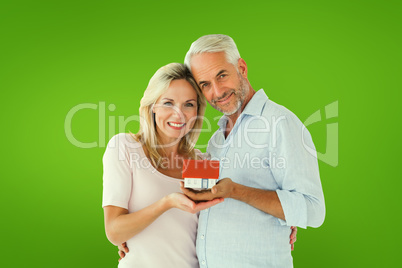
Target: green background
[305,54]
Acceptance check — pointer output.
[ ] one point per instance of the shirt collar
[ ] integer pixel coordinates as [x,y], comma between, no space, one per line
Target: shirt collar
[253,107]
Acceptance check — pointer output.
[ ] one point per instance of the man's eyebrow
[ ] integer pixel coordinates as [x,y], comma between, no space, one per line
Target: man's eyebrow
[201,82]
[221,72]
[218,74]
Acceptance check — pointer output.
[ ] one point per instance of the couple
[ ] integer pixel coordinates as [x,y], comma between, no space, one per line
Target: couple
[245,220]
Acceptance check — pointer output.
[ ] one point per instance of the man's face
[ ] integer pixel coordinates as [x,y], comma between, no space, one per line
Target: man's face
[222,85]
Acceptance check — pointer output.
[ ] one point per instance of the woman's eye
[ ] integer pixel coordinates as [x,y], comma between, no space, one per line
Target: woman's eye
[168,103]
[189,104]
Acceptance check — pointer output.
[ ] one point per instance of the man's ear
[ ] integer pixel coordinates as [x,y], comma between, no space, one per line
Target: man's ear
[242,67]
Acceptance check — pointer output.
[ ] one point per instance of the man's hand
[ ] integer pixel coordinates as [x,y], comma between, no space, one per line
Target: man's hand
[123,249]
[223,189]
[293,237]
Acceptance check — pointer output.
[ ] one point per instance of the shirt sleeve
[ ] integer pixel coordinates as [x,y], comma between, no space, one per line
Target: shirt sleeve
[300,191]
[117,174]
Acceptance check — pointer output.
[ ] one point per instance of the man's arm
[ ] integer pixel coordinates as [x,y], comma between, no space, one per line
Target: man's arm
[298,199]
[264,200]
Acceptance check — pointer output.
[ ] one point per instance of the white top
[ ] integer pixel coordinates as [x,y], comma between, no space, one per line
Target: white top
[131,182]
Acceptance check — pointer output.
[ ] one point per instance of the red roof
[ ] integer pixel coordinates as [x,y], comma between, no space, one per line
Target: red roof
[207,169]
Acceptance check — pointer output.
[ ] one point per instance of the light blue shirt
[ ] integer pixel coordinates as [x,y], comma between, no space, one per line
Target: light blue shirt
[266,149]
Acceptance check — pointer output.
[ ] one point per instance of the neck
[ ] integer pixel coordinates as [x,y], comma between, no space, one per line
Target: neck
[170,151]
[233,117]
[169,147]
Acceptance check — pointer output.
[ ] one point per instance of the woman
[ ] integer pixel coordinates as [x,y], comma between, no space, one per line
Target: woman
[142,174]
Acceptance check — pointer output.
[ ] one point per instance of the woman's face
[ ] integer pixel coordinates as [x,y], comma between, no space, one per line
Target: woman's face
[175,111]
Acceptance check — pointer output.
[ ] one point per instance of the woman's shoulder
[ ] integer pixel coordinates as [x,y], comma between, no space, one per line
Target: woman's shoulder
[124,140]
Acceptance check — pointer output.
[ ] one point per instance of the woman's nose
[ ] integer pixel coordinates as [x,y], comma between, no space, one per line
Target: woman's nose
[178,113]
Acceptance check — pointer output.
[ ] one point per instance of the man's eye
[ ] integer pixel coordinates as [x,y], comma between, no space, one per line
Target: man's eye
[204,86]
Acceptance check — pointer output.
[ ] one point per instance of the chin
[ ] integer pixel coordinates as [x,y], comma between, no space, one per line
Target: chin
[178,137]
[232,111]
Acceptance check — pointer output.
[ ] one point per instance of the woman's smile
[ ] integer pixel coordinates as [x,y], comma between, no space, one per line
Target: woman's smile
[175,125]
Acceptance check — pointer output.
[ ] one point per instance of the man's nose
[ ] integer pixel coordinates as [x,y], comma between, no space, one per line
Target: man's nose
[216,89]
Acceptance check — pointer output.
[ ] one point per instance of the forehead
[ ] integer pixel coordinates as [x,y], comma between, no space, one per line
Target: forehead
[180,88]
[206,66]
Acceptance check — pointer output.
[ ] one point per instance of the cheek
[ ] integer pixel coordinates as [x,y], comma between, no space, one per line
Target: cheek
[158,121]
[208,96]
[191,117]
[161,114]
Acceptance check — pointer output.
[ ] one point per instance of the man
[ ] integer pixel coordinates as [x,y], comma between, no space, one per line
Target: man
[268,179]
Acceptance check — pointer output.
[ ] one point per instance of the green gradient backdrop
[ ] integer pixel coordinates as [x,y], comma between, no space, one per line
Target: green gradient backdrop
[305,54]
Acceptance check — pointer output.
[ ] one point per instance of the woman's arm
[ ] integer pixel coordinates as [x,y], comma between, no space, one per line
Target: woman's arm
[121,225]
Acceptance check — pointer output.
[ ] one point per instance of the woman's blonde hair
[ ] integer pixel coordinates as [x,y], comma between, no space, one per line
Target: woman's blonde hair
[158,85]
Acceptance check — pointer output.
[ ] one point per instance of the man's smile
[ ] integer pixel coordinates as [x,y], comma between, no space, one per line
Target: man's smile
[225,99]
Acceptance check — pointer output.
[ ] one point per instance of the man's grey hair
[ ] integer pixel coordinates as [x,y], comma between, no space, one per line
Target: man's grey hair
[213,43]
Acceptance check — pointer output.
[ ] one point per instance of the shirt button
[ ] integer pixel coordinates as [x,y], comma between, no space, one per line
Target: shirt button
[202,236]
[203,262]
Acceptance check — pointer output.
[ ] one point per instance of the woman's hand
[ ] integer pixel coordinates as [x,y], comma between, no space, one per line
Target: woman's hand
[180,201]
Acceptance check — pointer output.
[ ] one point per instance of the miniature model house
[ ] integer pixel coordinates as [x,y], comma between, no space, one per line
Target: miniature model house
[200,174]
